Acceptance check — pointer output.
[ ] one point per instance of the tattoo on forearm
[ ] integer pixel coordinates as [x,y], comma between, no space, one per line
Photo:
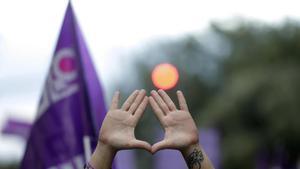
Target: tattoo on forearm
[195,159]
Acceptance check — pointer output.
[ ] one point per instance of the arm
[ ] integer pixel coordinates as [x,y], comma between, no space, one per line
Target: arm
[181,132]
[117,130]
[196,158]
[102,157]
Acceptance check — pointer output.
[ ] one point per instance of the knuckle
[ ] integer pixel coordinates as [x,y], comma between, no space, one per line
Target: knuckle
[138,110]
[158,110]
[165,107]
[126,105]
[133,105]
[170,103]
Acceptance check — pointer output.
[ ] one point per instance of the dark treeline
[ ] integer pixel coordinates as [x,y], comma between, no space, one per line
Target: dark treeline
[242,78]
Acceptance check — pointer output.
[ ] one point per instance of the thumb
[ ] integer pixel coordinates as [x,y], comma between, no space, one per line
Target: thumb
[164,144]
[141,144]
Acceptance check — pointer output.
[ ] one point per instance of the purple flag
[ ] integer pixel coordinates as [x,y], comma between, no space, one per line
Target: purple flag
[71,108]
[17,128]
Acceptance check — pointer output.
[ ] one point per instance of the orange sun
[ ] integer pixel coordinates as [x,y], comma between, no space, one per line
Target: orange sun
[165,76]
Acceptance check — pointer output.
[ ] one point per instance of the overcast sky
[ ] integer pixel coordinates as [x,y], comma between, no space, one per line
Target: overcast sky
[29,30]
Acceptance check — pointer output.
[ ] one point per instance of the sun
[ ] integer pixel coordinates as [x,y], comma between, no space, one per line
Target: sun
[165,76]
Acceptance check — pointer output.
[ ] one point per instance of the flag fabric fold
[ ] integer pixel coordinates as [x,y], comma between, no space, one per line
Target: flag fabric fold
[71,109]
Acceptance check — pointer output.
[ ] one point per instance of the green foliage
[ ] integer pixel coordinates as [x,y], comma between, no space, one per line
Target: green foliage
[260,94]
[243,80]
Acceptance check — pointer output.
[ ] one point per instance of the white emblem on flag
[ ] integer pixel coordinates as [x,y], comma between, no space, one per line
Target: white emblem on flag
[60,82]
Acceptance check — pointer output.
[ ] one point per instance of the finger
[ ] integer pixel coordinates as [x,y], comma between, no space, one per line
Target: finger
[164,144]
[160,102]
[115,101]
[181,100]
[137,101]
[167,99]
[140,144]
[140,110]
[130,100]
[158,112]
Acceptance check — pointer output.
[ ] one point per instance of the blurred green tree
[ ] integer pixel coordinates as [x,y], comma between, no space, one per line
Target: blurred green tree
[258,104]
[243,80]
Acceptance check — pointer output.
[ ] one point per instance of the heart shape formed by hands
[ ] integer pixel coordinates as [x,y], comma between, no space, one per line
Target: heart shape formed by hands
[118,126]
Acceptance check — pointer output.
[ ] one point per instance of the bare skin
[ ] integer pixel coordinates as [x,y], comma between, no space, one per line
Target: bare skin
[181,132]
[117,131]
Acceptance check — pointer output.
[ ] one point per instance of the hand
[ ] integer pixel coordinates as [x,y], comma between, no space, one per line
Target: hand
[117,131]
[180,130]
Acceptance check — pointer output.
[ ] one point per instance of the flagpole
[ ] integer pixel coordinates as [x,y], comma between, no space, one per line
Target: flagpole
[87,147]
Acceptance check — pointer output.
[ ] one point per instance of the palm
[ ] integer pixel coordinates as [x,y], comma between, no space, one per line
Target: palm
[120,131]
[180,129]
[118,126]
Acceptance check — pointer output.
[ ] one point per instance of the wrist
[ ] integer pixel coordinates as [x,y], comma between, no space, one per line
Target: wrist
[189,149]
[103,148]
[195,157]
[102,156]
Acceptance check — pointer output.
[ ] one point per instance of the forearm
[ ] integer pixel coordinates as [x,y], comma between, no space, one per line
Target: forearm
[196,158]
[102,157]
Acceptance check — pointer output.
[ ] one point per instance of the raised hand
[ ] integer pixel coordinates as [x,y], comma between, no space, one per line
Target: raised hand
[117,131]
[180,129]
